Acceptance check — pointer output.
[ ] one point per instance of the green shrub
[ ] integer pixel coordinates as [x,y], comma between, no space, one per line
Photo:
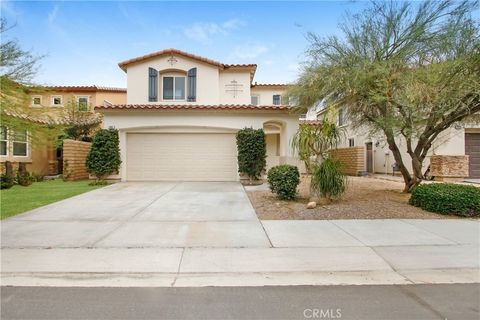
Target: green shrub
[24,178]
[447,198]
[98,183]
[6,179]
[104,155]
[6,182]
[37,177]
[328,180]
[252,152]
[283,181]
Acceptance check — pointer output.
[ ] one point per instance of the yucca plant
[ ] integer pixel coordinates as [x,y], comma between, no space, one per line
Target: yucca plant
[328,180]
[312,141]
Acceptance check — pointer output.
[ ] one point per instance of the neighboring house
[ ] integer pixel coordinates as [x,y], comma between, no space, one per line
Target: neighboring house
[41,156]
[370,154]
[182,114]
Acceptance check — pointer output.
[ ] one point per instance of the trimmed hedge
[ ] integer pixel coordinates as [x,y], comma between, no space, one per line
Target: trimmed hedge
[252,152]
[104,155]
[447,198]
[283,181]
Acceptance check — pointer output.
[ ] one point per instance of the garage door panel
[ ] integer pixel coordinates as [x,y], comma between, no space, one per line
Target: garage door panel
[472,149]
[177,156]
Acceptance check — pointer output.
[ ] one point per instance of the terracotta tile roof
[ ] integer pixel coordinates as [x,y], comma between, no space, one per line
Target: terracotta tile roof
[270,85]
[171,51]
[36,118]
[191,107]
[241,65]
[85,88]
[311,122]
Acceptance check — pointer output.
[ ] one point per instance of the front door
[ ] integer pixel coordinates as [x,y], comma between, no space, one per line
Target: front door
[472,149]
[369,148]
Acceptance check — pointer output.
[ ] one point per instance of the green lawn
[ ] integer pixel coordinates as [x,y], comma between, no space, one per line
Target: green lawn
[19,199]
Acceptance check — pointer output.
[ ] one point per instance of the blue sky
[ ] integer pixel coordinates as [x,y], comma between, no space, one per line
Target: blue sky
[83,41]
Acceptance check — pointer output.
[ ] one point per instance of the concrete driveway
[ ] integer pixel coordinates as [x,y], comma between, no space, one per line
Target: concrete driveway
[141,215]
[204,234]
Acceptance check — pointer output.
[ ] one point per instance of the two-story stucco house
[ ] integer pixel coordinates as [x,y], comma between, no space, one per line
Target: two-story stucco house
[41,156]
[182,114]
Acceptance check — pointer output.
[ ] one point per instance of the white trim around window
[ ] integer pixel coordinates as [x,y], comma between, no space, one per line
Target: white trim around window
[56,101]
[4,141]
[177,92]
[83,101]
[351,142]
[257,97]
[20,145]
[342,117]
[277,99]
[36,101]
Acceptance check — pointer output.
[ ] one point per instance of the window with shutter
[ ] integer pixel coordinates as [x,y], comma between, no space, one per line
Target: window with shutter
[192,85]
[152,85]
[276,99]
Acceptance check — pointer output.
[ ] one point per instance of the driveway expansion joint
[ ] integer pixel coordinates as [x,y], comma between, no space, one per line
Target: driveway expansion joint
[129,219]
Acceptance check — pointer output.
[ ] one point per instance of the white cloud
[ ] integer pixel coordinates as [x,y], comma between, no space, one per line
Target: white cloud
[248,51]
[52,15]
[233,23]
[268,62]
[204,31]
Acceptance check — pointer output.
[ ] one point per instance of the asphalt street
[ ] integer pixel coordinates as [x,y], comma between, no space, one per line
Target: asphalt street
[449,301]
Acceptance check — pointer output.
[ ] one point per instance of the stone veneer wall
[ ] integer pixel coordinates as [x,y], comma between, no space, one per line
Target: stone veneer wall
[74,155]
[449,167]
[352,159]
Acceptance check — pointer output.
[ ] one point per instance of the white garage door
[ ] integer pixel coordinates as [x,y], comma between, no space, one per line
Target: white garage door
[181,157]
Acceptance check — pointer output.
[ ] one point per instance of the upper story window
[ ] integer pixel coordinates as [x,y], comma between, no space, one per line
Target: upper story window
[277,99]
[351,142]
[342,117]
[20,143]
[82,103]
[36,101]
[293,101]
[255,100]
[173,88]
[56,101]
[3,141]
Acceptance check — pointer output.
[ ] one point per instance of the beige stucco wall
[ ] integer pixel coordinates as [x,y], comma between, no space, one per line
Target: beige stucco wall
[242,96]
[112,97]
[207,80]
[200,121]
[40,156]
[66,97]
[95,98]
[266,93]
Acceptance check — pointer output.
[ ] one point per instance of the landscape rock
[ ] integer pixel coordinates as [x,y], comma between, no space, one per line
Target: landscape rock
[311,205]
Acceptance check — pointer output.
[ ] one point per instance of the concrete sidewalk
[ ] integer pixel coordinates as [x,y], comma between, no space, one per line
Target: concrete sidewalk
[295,253]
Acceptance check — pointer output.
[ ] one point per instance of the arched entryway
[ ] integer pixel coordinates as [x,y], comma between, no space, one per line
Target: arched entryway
[273,137]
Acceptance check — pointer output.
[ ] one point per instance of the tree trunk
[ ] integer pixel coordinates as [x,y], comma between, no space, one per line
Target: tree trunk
[407,178]
[417,172]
